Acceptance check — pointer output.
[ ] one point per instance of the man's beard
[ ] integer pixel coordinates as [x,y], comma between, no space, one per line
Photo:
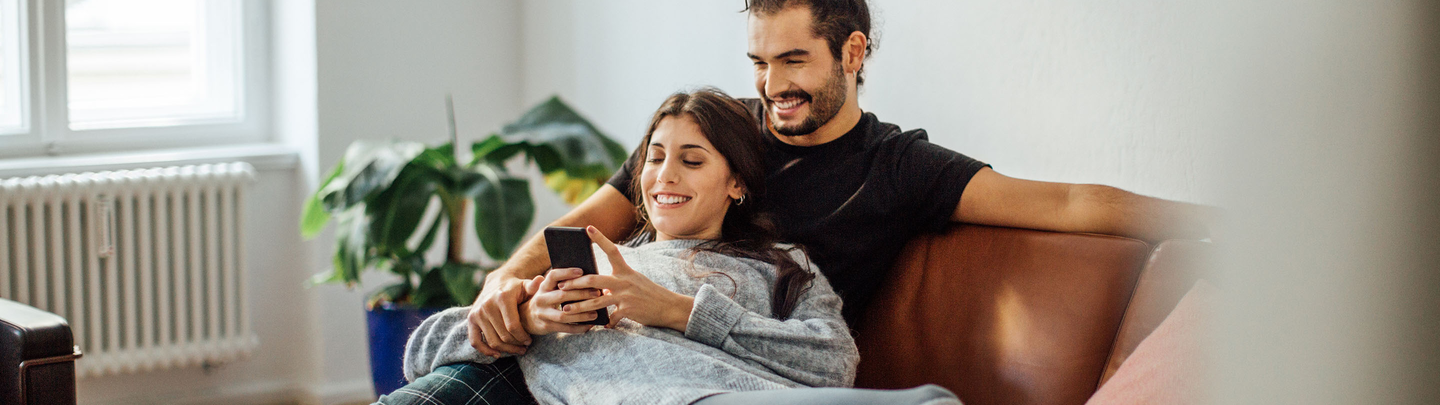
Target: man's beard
[823,106]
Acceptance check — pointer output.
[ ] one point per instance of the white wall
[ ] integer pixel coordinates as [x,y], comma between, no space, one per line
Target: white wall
[616,61]
[386,66]
[1105,92]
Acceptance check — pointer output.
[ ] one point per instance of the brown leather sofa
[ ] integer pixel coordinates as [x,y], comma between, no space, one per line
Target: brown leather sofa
[996,315]
[1012,316]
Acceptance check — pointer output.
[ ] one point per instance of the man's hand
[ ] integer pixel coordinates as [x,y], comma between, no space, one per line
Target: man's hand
[542,314]
[495,324]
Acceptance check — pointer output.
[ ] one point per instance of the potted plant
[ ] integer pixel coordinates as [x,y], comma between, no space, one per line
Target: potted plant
[379,193]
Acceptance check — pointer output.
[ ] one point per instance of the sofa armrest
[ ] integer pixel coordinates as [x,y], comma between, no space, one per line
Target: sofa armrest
[37,356]
[1172,270]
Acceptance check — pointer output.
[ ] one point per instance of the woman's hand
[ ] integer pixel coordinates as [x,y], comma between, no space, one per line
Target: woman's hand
[633,295]
[541,315]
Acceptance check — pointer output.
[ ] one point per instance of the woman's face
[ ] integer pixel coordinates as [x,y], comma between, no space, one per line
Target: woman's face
[686,182]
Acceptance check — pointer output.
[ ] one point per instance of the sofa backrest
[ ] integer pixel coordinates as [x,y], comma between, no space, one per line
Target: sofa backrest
[1000,315]
[1172,270]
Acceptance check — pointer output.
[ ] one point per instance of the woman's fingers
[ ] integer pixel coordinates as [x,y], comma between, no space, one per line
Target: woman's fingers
[574,329]
[559,278]
[555,298]
[594,281]
[555,277]
[617,263]
[590,305]
[615,317]
[551,313]
[570,319]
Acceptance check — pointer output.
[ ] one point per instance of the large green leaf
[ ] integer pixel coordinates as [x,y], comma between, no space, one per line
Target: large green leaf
[334,275]
[430,234]
[314,218]
[352,244]
[397,211]
[398,292]
[409,265]
[368,168]
[503,211]
[496,150]
[431,292]
[460,281]
[553,128]
[438,157]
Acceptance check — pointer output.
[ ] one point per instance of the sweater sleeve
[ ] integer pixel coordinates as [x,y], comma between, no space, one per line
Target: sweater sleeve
[812,347]
[440,340]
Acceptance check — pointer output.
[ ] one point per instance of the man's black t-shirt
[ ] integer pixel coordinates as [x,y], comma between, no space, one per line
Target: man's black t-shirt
[854,202]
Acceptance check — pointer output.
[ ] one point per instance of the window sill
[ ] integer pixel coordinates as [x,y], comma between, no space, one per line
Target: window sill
[264,156]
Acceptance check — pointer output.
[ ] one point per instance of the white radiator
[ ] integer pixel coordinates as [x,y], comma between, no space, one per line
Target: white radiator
[147,265]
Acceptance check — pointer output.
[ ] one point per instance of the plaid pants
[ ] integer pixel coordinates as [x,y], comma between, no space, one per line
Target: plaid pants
[498,383]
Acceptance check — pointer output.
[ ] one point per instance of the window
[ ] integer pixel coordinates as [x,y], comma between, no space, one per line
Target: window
[79,76]
[12,75]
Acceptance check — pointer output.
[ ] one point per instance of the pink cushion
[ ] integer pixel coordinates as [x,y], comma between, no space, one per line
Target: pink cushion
[1168,367]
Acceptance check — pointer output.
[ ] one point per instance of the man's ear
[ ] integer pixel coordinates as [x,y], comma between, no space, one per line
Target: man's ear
[854,52]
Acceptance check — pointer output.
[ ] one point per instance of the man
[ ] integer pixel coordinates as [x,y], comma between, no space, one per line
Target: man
[850,188]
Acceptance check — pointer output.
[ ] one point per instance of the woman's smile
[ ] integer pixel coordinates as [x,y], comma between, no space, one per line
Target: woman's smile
[670,200]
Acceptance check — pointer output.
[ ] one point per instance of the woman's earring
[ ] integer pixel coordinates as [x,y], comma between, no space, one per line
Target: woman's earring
[740,200]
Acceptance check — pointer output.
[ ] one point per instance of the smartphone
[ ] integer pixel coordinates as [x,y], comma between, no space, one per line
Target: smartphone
[570,247]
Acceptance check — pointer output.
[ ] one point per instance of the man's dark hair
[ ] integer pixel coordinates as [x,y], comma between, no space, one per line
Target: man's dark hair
[832,20]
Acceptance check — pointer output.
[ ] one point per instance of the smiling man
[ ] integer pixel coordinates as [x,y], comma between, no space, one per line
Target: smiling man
[849,187]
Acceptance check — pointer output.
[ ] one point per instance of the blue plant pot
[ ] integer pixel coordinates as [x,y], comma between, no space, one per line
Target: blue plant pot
[390,326]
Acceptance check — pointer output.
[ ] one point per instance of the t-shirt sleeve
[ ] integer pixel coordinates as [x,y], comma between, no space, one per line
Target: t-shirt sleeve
[621,179]
[933,179]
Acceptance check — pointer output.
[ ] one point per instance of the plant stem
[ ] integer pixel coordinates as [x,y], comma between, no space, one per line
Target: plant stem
[455,214]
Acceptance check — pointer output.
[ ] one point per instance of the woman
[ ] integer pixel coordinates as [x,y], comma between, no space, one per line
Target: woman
[705,302]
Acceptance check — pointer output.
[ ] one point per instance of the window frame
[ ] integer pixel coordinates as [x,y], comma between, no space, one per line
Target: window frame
[46,114]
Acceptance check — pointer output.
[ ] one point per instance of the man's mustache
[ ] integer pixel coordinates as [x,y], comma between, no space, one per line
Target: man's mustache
[800,94]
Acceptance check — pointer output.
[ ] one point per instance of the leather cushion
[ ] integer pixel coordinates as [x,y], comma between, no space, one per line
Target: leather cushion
[1172,269]
[1000,315]
[1168,367]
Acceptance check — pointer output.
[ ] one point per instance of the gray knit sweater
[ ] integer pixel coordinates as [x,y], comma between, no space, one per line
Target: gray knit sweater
[730,344]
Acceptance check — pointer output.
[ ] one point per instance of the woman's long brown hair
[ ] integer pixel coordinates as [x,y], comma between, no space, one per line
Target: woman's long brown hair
[746,231]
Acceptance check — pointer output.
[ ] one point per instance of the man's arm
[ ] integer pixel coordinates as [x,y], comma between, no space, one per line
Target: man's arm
[994,199]
[495,312]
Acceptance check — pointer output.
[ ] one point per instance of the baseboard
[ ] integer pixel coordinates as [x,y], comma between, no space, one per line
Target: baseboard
[265,393]
[261,393]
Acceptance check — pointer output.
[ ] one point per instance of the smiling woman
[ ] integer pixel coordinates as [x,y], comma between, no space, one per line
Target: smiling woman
[683,176]
[703,295]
